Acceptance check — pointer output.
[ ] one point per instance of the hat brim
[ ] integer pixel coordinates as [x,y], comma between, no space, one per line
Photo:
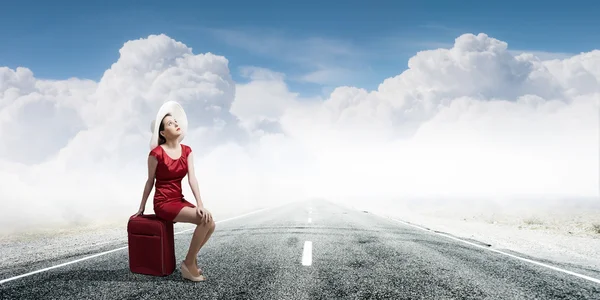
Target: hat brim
[176,110]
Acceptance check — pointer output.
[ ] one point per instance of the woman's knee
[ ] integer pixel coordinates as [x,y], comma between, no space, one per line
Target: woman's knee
[199,221]
[210,224]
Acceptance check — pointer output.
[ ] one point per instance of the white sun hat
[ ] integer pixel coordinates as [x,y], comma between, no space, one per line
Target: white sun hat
[177,112]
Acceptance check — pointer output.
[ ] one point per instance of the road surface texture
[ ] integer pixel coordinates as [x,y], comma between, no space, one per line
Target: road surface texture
[308,250]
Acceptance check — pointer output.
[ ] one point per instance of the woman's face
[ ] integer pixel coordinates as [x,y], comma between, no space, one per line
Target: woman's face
[172,129]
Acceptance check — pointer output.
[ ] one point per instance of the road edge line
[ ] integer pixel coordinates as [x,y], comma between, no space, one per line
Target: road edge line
[595,280]
[125,247]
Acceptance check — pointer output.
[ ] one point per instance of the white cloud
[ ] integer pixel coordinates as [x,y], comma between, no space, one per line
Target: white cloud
[472,120]
[331,76]
[543,55]
[313,59]
[276,45]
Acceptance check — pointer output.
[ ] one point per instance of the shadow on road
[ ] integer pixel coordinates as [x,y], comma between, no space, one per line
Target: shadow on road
[118,275]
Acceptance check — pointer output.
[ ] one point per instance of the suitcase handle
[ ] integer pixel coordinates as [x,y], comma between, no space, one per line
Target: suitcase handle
[148,216]
[140,216]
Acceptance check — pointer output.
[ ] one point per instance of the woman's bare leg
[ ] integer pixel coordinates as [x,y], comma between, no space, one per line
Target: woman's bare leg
[197,242]
[211,229]
[208,234]
[189,215]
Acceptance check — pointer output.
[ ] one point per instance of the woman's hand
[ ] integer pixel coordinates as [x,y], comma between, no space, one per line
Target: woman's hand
[204,214]
[140,211]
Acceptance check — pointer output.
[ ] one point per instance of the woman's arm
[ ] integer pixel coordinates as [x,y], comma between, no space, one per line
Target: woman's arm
[152,163]
[193,181]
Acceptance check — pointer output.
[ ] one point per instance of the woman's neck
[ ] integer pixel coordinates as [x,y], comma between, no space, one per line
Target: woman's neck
[171,144]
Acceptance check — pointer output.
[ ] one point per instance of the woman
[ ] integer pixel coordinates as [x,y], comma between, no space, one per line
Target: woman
[169,162]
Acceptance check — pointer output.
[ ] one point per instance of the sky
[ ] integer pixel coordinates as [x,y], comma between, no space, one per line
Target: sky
[318,45]
[371,104]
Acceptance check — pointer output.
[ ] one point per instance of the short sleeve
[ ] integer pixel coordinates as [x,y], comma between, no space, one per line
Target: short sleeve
[155,153]
[188,150]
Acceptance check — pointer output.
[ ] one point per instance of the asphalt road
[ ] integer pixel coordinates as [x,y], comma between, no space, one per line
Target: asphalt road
[354,255]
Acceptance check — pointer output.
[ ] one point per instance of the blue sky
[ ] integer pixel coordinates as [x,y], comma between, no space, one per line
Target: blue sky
[317,44]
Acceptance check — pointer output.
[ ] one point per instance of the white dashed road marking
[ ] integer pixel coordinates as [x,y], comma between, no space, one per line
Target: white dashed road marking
[307,254]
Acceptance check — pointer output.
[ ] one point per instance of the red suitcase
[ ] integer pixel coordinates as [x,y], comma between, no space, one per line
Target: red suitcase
[151,245]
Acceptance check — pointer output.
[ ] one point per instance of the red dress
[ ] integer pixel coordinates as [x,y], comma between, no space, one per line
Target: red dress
[168,195]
